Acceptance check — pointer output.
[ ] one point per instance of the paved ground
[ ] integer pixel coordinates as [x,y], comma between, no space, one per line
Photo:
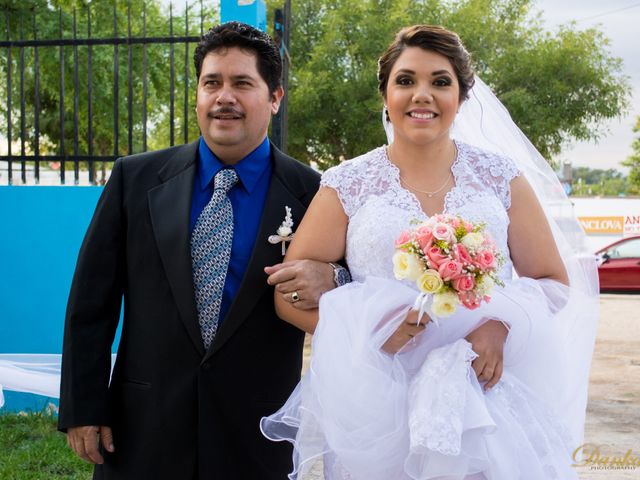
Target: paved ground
[613,416]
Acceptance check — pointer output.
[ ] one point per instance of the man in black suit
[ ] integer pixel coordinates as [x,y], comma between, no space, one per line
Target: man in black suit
[175,408]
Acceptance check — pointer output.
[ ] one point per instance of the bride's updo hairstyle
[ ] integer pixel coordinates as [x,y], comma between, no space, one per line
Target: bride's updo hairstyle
[432,38]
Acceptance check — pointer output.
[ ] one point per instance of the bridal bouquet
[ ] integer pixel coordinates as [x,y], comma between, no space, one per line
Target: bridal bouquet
[452,261]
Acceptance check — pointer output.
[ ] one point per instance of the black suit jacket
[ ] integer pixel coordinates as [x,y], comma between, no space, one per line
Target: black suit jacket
[177,411]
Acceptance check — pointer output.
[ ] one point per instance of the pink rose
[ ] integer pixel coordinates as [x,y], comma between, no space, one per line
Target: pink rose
[485,259]
[461,253]
[449,269]
[469,300]
[403,238]
[464,283]
[456,222]
[436,257]
[468,226]
[442,231]
[424,236]
[488,240]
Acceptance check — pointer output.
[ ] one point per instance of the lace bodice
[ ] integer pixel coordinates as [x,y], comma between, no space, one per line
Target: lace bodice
[379,208]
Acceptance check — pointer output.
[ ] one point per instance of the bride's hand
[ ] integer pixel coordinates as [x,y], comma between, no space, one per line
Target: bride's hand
[488,342]
[406,332]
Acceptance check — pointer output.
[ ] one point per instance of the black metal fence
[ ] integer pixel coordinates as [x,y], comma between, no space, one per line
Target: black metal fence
[67,101]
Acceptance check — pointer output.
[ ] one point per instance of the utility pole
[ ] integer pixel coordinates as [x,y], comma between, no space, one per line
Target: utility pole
[279,130]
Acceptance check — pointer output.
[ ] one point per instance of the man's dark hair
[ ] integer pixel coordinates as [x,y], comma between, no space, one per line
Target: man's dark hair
[246,37]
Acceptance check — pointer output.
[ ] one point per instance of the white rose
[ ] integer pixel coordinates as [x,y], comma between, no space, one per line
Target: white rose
[444,304]
[284,231]
[406,266]
[473,240]
[485,286]
[429,281]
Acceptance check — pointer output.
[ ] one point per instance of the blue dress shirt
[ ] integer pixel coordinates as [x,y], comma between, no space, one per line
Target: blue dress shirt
[247,199]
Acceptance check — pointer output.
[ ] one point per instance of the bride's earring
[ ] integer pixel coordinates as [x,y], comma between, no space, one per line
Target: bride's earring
[386,114]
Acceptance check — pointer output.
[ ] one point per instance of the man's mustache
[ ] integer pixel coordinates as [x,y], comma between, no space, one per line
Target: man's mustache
[225,111]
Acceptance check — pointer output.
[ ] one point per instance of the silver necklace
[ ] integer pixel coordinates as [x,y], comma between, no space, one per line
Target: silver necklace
[427,193]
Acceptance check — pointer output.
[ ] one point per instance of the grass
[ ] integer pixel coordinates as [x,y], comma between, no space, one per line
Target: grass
[32,449]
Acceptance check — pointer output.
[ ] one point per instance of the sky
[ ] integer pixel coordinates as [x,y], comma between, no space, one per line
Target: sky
[619,20]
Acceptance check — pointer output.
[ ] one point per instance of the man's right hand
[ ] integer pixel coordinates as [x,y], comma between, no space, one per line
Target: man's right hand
[309,279]
[84,441]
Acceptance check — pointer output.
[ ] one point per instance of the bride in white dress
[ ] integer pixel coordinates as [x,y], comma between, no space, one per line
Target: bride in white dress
[386,399]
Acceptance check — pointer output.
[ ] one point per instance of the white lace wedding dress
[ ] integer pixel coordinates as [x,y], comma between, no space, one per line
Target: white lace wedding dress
[421,414]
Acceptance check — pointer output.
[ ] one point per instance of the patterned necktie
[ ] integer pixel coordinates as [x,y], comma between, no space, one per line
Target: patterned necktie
[210,253]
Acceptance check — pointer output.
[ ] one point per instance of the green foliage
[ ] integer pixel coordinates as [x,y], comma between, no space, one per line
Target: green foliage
[597,182]
[442,245]
[633,162]
[55,18]
[593,176]
[561,87]
[32,449]
[556,86]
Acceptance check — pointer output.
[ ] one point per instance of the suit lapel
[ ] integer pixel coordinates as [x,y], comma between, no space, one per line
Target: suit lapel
[170,207]
[285,189]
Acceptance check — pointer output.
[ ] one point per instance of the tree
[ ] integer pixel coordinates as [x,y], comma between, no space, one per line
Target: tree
[557,86]
[46,20]
[596,181]
[633,162]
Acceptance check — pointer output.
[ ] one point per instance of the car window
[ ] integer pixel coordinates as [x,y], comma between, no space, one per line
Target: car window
[628,249]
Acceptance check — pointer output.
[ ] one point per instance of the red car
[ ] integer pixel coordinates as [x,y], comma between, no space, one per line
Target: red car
[619,265]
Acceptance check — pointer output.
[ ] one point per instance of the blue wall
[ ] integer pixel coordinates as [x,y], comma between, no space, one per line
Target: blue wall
[250,12]
[41,232]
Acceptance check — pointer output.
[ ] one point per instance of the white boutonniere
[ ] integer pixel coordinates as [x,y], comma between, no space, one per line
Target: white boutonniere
[284,233]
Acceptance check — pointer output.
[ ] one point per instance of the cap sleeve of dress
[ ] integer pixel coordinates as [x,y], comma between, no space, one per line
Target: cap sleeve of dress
[347,181]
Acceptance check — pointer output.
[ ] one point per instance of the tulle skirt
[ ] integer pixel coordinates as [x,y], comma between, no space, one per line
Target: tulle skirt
[421,414]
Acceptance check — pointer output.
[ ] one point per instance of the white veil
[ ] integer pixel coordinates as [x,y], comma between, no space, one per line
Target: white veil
[484,122]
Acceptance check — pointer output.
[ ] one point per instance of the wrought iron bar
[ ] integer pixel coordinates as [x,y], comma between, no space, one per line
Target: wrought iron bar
[36,112]
[53,158]
[76,97]
[9,94]
[92,166]
[129,85]
[62,130]
[186,76]
[23,107]
[98,41]
[172,79]
[145,80]
[116,81]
